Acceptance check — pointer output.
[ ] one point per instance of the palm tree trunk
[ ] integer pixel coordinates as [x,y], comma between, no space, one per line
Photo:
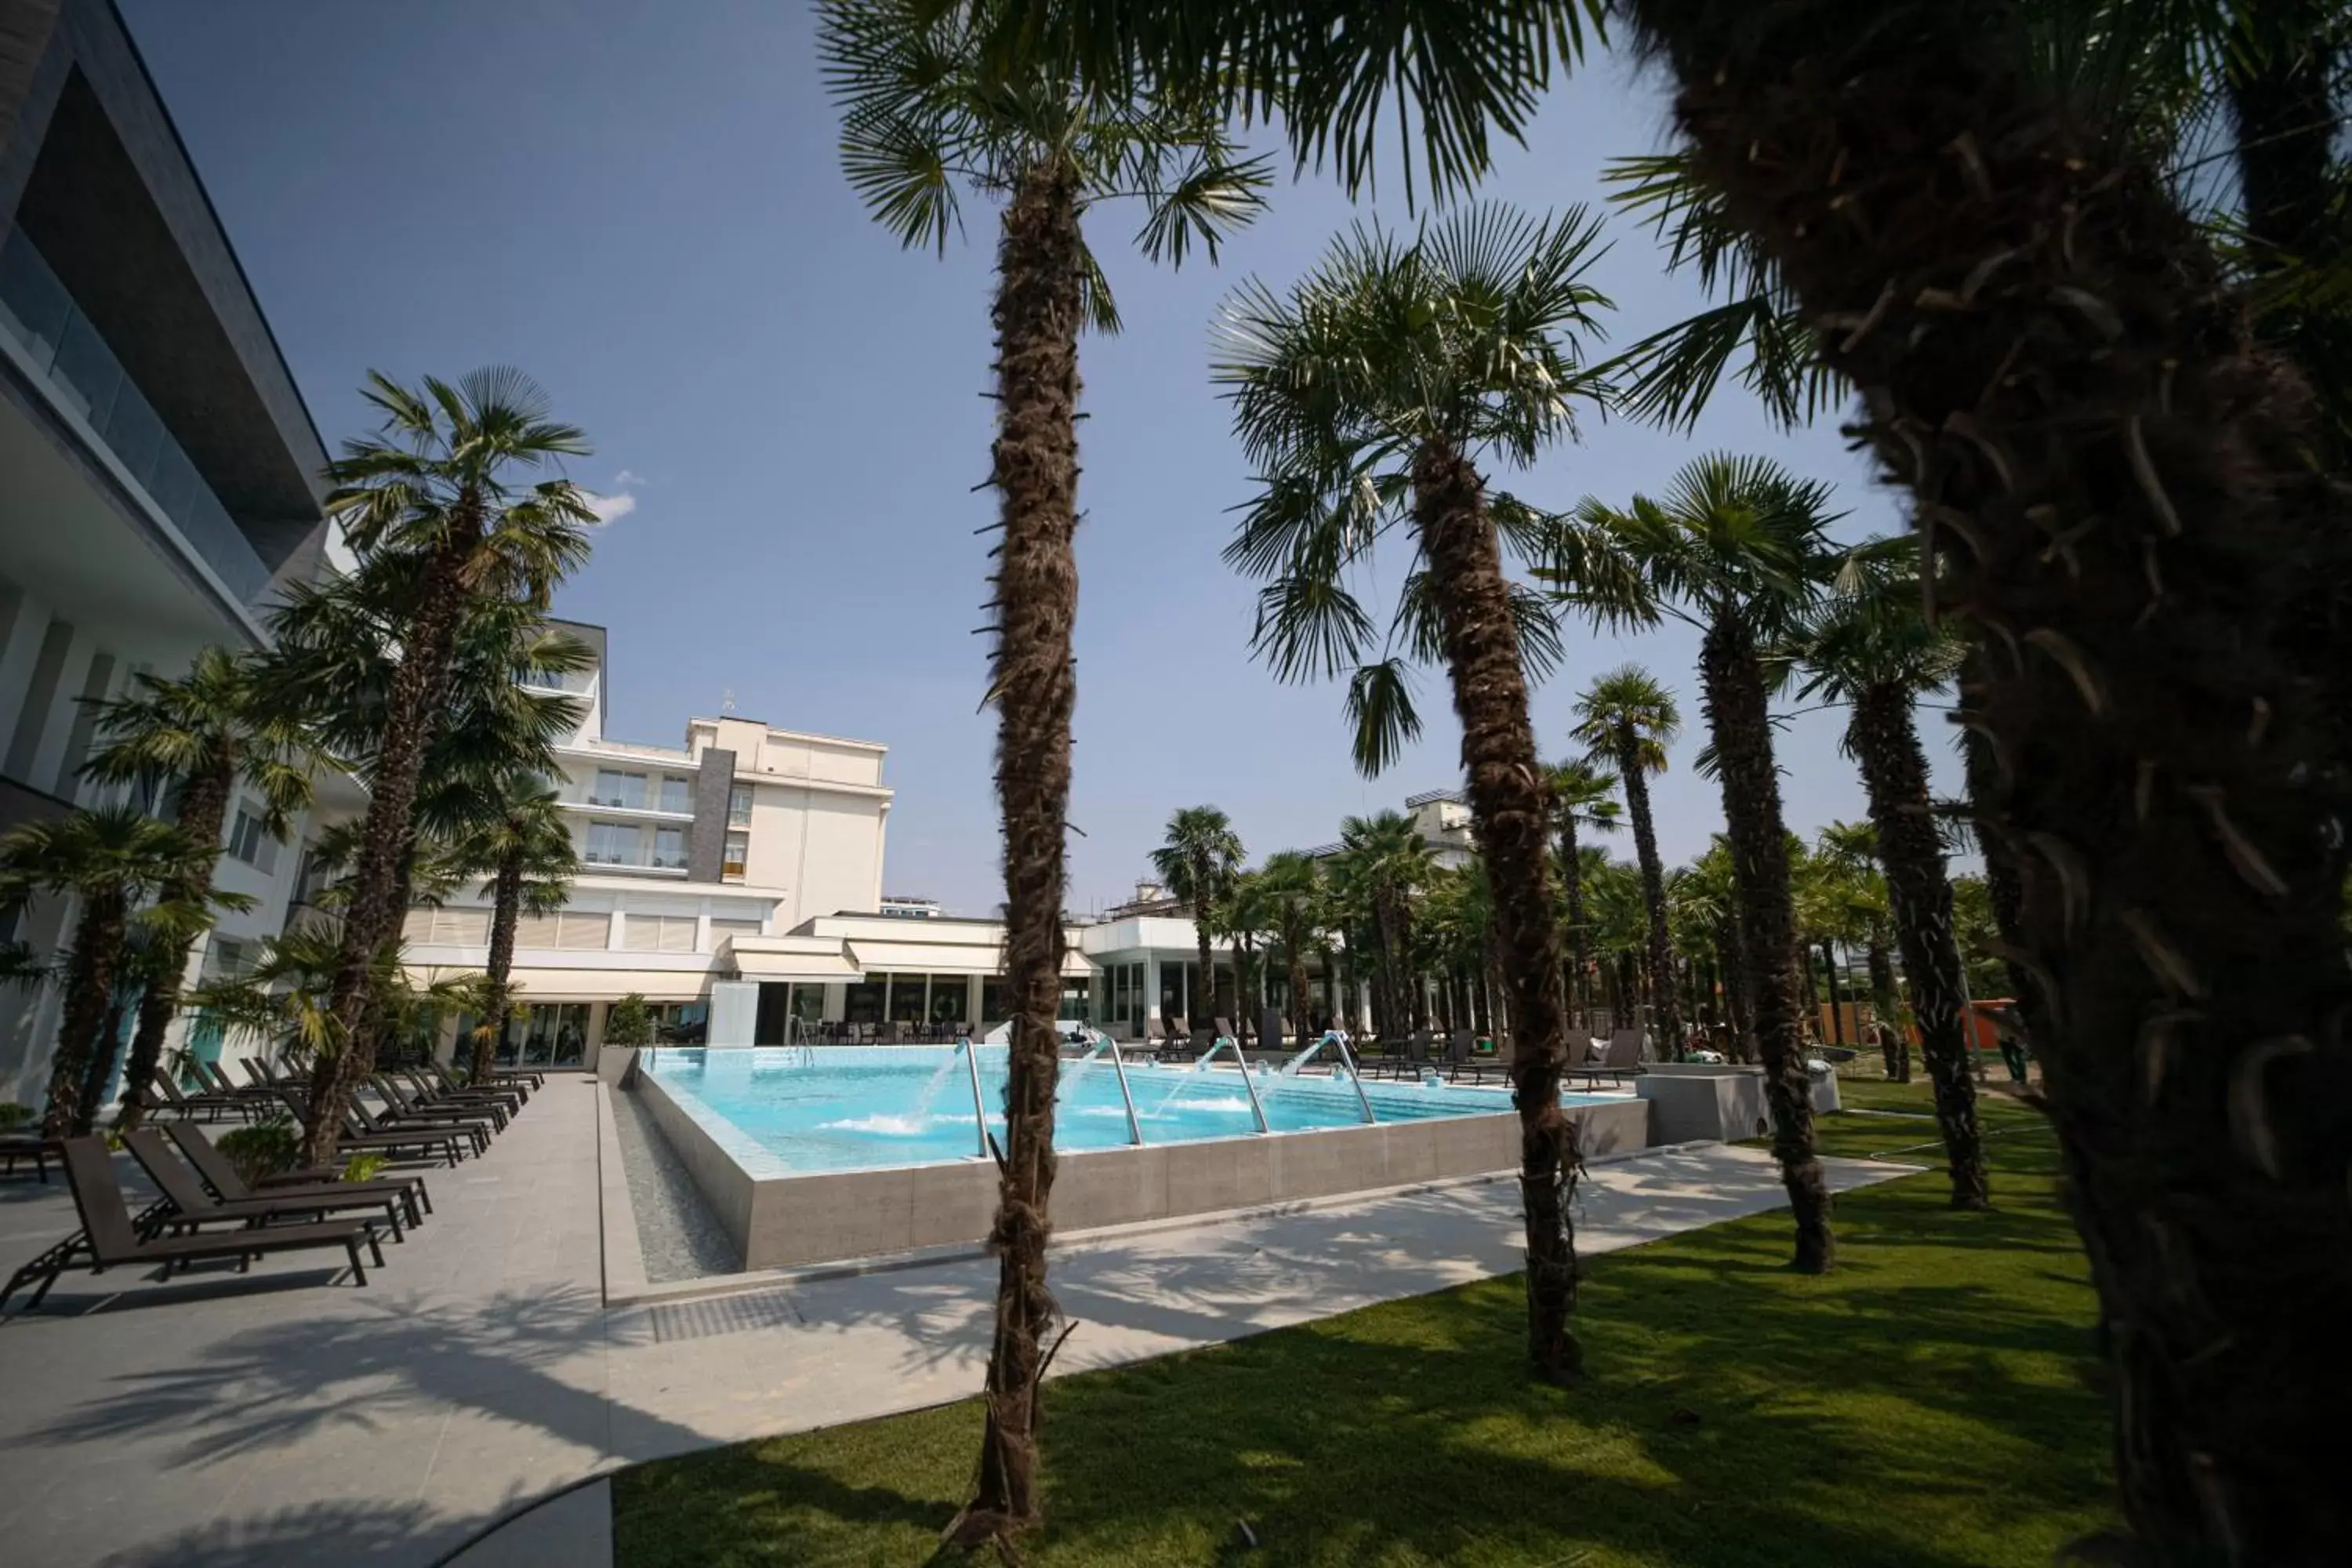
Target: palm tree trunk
[1894,771]
[1200,935]
[2002,890]
[1803,960]
[506,912]
[1740,722]
[372,916]
[1571,873]
[1883,1002]
[1732,959]
[1035,688]
[1508,813]
[1294,948]
[100,1067]
[2117,482]
[1668,1021]
[1837,995]
[88,995]
[202,815]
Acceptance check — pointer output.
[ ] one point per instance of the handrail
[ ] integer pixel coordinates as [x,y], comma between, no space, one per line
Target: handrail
[1134,1125]
[1355,1079]
[978,1110]
[1256,1108]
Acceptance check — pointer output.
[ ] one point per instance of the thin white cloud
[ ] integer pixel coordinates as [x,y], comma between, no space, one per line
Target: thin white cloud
[611,509]
[628,478]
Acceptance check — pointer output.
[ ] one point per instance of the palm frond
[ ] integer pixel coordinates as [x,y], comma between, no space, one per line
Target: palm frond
[1381,715]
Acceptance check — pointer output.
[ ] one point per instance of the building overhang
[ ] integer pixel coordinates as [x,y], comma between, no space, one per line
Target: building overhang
[809,960]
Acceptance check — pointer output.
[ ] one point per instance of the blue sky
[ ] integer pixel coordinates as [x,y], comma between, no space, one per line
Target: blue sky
[641,206]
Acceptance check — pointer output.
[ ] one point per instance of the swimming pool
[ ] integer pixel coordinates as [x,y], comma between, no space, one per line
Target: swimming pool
[800,1110]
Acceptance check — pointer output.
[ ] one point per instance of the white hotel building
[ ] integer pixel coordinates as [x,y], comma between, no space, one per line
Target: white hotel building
[736,881]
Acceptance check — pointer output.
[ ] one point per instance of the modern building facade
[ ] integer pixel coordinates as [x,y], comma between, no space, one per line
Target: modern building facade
[744,831]
[159,474]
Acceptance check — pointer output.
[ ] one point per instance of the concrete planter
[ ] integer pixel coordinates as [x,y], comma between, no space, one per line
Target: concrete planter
[1693,1101]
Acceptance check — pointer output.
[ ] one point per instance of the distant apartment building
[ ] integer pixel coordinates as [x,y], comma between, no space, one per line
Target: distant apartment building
[744,831]
[159,474]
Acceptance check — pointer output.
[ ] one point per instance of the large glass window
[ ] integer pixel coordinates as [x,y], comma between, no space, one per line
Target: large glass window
[907,998]
[669,848]
[949,996]
[861,1001]
[739,852]
[619,789]
[995,1000]
[615,844]
[677,793]
[447,927]
[1074,1008]
[808,1002]
[555,1034]
[249,840]
[739,806]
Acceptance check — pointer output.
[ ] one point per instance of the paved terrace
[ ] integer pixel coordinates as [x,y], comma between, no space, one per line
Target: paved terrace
[288,1418]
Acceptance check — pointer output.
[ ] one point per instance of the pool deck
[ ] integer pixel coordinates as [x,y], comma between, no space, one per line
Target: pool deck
[219,1420]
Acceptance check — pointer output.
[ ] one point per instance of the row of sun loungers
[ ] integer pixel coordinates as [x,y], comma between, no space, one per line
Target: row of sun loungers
[208,1213]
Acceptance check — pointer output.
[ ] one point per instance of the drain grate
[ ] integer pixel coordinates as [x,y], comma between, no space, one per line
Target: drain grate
[674,1320]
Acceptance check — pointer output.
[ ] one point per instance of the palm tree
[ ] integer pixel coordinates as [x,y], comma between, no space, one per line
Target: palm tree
[1869,649]
[1582,796]
[1200,853]
[219,725]
[111,860]
[2044,341]
[438,498]
[1368,397]
[1852,847]
[1382,861]
[1739,542]
[1626,718]
[1242,912]
[921,120]
[1293,883]
[527,852]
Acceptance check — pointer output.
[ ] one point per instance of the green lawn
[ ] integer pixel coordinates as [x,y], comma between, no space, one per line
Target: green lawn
[1930,1403]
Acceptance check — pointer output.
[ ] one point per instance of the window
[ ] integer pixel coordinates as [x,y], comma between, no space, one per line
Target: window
[739,850]
[861,1001]
[721,930]
[949,996]
[669,848]
[560,680]
[627,789]
[615,844]
[225,959]
[249,841]
[677,793]
[659,933]
[575,930]
[447,927]
[313,879]
[906,998]
[739,806]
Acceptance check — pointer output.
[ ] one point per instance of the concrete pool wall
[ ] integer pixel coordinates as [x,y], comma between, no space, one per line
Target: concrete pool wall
[784,1221]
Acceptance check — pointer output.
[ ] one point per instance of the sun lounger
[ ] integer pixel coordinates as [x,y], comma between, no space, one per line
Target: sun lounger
[109,1239]
[210,1103]
[1623,1060]
[15,1146]
[1461,1056]
[191,1205]
[441,1143]
[219,1172]
[388,1085]
[397,1115]
[513,1089]
[424,1091]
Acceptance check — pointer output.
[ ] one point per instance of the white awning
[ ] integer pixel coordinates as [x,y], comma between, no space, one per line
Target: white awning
[948,957]
[610,984]
[811,959]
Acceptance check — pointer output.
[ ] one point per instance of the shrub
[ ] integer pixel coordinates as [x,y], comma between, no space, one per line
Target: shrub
[14,1116]
[363,1167]
[630,1022]
[265,1149]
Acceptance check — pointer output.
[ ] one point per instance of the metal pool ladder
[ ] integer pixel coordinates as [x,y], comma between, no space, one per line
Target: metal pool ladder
[1224,1041]
[1355,1079]
[1103,1042]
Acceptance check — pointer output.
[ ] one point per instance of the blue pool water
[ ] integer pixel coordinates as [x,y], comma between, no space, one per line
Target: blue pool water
[799,1109]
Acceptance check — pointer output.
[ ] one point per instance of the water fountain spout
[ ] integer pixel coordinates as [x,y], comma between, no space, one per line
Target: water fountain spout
[1103,1042]
[979,1109]
[1226,1042]
[1334,1040]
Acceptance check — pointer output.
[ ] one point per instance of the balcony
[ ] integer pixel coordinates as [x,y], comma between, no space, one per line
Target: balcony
[73,364]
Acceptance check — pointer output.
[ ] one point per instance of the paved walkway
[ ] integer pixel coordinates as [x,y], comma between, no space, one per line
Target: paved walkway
[226,1421]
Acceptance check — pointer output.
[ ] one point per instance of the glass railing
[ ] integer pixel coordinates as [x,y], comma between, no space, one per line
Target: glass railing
[68,352]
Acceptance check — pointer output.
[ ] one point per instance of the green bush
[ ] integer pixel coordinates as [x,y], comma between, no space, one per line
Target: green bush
[14,1116]
[265,1149]
[363,1167]
[630,1023]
